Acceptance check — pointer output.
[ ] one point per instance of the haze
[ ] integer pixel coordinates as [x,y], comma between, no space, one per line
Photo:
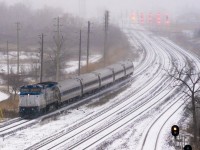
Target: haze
[93,8]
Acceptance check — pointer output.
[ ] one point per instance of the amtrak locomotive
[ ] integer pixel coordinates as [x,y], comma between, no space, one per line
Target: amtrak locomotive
[39,98]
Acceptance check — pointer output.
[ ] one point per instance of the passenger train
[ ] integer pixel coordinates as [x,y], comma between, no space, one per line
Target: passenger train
[39,98]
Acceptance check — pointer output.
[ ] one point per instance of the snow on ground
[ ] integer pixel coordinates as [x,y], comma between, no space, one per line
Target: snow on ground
[166,132]
[28,137]
[3,96]
[23,55]
[13,57]
[21,139]
[72,66]
[127,139]
[24,66]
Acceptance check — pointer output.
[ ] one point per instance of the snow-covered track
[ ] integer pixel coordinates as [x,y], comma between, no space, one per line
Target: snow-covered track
[150,61]
[158,123]
[155,128]
[16,126]
[149,98]
[8,122]
[49,141]
[123,118]
[78,125]
[183,59]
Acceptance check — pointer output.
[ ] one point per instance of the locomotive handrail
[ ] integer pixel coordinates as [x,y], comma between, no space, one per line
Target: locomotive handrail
[81,85]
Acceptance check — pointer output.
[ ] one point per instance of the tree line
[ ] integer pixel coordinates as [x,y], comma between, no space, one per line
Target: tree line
[32,23]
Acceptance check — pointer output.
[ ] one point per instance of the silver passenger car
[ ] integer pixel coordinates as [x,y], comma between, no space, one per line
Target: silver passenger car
[89,82]
[106,76]
[129,67]
[69,88]
[118,71]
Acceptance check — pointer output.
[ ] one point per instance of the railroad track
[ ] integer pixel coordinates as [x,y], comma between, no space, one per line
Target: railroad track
[17,124]
[50,140]
[8,122]
[14,125]
[162,119]
[153,91]
[168,107]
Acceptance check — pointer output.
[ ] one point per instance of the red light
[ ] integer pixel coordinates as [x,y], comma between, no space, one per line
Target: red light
[142,18]
[133,17]
[158,18]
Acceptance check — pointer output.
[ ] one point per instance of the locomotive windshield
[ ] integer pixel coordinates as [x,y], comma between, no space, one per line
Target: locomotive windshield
[30,90]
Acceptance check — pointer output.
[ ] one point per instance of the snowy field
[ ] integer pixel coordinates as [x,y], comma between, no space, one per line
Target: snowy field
[72,66]
[3,96]
[32,135]
[134,132]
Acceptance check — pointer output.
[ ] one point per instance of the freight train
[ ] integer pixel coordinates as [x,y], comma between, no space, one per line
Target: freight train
[37,99]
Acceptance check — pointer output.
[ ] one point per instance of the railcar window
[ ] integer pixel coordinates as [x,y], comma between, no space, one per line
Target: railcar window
[35,90]
[107,77]
[24,90]
[119,72]
[71,90]
[93,82]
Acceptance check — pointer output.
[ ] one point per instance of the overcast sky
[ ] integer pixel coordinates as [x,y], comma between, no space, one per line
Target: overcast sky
[92,8]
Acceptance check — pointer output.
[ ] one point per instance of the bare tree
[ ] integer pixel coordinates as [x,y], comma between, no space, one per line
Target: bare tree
[15,81]
[34,69]
[188,77]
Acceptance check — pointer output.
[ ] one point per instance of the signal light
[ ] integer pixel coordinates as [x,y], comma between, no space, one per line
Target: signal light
[167,20]
[133,17]
[158,18]
[187,147]
[142,18]
[175,130]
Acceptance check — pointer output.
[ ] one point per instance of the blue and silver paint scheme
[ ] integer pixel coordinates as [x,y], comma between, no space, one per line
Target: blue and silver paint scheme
[37,98]
[31,100]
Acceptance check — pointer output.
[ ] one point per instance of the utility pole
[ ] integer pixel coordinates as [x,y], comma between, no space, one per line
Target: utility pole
[106,35]
[59,42]
[8,68]
[88,44]
[41,57]
[18,28]
[79,63]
